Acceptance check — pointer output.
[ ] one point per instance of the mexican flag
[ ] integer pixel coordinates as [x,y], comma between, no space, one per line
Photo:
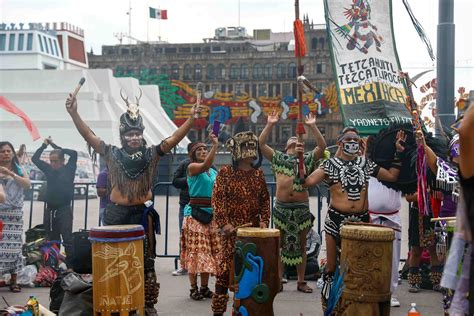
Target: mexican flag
[158,14]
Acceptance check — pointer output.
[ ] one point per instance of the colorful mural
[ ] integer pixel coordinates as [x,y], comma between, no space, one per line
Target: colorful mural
[178,97]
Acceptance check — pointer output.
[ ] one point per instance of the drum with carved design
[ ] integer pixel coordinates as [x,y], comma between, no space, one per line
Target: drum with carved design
[366,259]
[118,270]
[255,278]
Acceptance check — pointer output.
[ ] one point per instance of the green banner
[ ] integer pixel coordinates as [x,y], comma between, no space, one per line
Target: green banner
[371,93]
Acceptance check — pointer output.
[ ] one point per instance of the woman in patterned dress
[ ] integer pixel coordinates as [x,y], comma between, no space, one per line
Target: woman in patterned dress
[14,180]
[199,237]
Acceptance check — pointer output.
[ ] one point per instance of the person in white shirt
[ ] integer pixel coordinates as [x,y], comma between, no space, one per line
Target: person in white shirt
[384,209]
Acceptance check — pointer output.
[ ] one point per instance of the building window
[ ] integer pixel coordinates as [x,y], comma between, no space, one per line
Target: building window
[222,87]
[286,90]
[314,43]
[45,42]
[257,71]
[322,42]
[292,70]
[196,49]
[230,88]
[220,72]
[51,46]
[124,51]
[29,41]
[21,41]
[3,39]
[187,72]
[11,42]
[277,90]
[170,50]
[197,72]
[210,72]
[262,90]
[285,133]
[244,71]
[175,72]
[254,90]
[234,71]
[56,50]
[281,73]
[41,43]
[268,73]
[185,50]
[319,68]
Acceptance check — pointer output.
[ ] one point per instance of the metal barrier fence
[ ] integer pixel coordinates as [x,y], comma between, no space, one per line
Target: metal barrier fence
[36,187]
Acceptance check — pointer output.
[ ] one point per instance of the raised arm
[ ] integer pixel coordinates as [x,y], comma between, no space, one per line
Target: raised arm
[318,151]
[466,140]
[267,151]
[71,153]
[36,159]
[83,129]
[391,175]
[181,132]
[196,168]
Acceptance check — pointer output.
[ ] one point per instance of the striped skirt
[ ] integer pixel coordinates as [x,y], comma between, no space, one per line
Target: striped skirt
[11,258]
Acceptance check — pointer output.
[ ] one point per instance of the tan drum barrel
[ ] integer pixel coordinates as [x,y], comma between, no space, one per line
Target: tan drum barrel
[256,270]
[367,256]
[118,270]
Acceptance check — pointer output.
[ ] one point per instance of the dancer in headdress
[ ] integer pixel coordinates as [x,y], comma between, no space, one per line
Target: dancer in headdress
[291,210]
[131,171]
[240,198]
[348,177]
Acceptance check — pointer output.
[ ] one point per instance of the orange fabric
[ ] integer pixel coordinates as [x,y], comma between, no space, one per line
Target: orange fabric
[300,43]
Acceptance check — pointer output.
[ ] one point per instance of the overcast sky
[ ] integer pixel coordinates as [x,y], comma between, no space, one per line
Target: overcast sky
[193,20]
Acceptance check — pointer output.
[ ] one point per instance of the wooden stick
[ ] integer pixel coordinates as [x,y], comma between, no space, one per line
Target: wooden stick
[439,219]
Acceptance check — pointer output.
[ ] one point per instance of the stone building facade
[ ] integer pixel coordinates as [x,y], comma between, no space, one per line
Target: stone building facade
[263,67]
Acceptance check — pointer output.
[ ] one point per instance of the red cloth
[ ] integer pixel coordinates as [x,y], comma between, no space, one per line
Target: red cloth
[10,107]
[435,206]
[300,43]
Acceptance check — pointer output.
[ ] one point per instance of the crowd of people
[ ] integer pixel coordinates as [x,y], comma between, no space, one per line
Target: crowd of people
[213,203]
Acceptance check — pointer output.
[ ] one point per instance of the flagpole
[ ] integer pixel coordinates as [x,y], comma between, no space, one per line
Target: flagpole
[159,27]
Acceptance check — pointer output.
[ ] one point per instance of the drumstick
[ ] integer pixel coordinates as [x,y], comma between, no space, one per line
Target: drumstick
[438,219]
[78,87]
[242,226]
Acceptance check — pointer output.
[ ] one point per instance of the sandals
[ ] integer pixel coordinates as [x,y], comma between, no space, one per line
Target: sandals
[205,292]
[15,288]
[303,287]
[195,294]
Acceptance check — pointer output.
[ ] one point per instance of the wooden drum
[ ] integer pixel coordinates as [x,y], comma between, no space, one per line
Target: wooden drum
[367,258]
[118,270]
[255,278]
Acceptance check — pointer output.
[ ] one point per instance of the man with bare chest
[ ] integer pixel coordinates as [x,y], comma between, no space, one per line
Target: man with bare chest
[348,175]
[291,210]
[131,171]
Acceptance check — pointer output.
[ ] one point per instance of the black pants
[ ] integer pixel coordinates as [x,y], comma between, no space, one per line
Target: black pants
[58,221]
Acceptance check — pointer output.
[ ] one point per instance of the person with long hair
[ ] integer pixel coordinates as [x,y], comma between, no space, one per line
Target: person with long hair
[199,236]
[14,180]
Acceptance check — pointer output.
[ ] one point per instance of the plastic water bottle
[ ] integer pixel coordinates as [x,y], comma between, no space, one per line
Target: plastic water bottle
[413,311]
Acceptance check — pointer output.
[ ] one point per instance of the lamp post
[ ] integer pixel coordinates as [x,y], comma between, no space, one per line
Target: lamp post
[445,62]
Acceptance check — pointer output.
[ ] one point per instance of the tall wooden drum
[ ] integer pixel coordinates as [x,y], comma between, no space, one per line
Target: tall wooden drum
[118,270]
[255,278]
[367,258]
